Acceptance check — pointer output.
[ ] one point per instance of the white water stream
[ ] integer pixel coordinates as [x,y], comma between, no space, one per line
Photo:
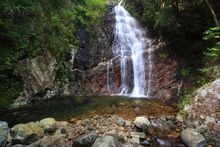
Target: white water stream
[131,42]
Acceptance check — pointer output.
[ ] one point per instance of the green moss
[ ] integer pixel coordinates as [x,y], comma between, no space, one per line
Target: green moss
[164,55]
[185,100]
[10,89]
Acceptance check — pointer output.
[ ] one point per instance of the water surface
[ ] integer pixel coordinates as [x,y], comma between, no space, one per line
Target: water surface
[84,107]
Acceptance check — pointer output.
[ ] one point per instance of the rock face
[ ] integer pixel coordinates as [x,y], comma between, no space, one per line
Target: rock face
[38,75]
[94,81]
[164,83]
[98,49]
[26,133]
[4,133]
[192,138]
[48,124]
[204,113]
[107,141]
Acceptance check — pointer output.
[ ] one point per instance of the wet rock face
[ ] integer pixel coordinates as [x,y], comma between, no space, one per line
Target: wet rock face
[38,74]
[204,113]
[94,81]
[93,50]
[164,84]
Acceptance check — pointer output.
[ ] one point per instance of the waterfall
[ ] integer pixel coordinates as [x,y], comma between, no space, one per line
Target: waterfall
[131,42]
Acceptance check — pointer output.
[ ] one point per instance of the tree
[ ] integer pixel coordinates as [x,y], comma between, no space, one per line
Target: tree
[213,13]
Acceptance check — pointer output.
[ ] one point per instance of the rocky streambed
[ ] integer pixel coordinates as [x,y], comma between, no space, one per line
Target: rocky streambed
[99,122]
[99,131]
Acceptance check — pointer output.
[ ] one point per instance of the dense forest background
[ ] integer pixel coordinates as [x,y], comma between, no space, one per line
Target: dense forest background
[30,28]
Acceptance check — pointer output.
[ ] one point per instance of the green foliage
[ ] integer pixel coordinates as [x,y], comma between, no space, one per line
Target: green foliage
[213,34]
[185,72]
[10,89]
[208,74]
[163,55]
[184,101]
[29,28]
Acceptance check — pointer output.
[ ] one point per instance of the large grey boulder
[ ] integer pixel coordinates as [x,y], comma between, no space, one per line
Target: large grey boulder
[192,138]
[4,133]
[38,75]
[26,133]
[107,141]
[203,113]
[142,123]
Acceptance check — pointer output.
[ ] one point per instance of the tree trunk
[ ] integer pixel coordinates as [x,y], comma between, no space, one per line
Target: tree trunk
[213,13]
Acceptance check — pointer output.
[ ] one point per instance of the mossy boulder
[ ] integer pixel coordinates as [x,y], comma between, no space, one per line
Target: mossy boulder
[48,124]
[26,133]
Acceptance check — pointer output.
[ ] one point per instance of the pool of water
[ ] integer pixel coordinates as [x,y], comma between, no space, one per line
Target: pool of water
[66,108]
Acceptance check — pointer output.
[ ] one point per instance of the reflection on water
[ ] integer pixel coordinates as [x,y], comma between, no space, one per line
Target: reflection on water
[80,107]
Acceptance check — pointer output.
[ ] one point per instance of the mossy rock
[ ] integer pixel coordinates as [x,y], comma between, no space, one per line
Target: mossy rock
[26,133]
[48,124]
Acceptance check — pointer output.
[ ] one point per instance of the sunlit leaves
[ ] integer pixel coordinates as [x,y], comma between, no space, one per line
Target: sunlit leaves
[213,33]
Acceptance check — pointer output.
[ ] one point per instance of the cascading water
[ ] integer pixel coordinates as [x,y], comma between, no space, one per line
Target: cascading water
[131,42]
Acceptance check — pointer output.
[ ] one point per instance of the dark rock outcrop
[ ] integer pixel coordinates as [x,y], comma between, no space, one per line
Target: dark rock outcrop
[95,48]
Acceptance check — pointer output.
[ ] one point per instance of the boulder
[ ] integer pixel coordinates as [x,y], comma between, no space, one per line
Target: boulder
[203,113]
[57,140]
[142,123]
[4,133]
[107,141]
[26,133]
[192,138]
[38,75]
[48,124]
[85,139]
